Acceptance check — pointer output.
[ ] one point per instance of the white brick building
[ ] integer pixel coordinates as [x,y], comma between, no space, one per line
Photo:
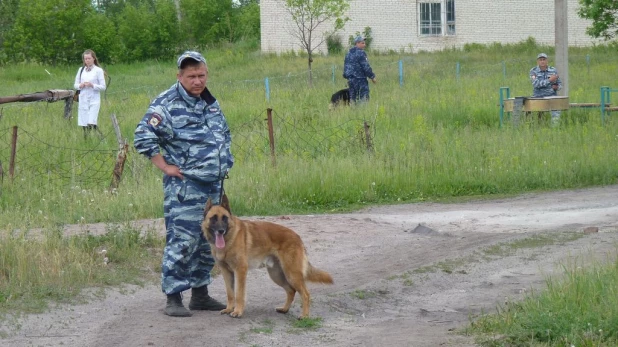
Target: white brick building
[413,25]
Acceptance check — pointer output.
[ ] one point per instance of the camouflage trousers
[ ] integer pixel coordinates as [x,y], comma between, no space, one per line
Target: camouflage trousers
[187,259]
[359,89]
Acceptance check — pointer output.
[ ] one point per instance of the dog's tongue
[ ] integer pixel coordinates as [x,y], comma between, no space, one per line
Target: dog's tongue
[219,241]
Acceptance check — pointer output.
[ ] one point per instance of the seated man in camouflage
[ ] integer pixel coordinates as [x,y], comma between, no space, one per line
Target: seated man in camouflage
[545,82]
[356,70]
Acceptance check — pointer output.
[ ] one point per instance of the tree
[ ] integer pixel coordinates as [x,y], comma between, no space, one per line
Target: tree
[149,31]
[207,21]
[8,12]
[308,15]
[604,16]
[48,31]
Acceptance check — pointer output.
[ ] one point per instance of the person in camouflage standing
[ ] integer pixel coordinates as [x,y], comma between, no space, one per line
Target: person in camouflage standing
[185,134]
[356,70]
[545,82]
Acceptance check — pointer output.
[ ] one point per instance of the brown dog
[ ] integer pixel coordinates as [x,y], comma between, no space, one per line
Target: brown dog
[239,245]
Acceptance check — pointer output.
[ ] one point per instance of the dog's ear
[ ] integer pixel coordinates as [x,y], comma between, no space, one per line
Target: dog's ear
[208,207]
[225,203]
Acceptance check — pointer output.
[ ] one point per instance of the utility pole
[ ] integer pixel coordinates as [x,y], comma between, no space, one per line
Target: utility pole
[562,43]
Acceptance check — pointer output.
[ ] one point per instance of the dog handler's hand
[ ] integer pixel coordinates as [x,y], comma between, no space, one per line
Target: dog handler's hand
[173,170]
[170,170]
[373,80]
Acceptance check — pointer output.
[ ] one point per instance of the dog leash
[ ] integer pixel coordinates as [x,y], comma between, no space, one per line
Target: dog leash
[226,176]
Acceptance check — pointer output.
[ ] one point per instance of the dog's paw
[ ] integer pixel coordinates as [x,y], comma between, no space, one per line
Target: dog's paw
[281,310]
[226,310]
[236,314]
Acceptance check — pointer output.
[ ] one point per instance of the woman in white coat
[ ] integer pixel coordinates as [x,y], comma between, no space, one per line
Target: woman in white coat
[90,80]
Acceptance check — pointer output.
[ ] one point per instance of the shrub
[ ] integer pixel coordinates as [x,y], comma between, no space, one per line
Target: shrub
[333,44]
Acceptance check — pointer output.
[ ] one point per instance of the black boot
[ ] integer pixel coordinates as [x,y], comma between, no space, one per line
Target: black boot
[201,301]
[174,306]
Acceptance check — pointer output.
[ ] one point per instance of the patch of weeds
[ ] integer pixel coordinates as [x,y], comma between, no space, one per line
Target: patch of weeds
[308,323]
[267,327]
[448,266]
[363,294]
[407,281]
[242,337]
[425,269]
[535,241]
[326,339]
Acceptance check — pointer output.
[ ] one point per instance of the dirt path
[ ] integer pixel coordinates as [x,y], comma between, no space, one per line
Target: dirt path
[378,298]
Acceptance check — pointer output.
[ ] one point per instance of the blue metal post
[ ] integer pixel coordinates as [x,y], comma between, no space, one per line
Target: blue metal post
[604,101]
[588,62]
[333,74]
[400,72]
[267,86]
[504,70]
[508,95]
[458,68]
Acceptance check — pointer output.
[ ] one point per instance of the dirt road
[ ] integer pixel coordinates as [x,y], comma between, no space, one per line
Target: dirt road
[396,283]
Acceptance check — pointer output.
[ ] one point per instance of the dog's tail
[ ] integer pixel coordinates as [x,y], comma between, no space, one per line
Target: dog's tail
[318,276]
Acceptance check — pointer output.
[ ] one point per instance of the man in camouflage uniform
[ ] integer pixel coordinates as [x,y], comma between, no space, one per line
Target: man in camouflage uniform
[545,82]
[356,70]
[184,133]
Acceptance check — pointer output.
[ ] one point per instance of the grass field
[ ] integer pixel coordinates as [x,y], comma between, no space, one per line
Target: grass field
[434,137]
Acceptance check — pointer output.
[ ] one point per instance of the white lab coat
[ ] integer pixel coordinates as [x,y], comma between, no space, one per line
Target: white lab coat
[89,97]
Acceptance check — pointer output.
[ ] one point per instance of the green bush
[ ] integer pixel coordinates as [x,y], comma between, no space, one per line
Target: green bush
[333,44]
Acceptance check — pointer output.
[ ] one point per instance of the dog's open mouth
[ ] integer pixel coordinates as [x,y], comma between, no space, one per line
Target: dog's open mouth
[219,240]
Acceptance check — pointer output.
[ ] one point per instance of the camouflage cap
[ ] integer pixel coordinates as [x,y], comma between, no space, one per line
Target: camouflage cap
[541,55]
[191,55]
[358,39]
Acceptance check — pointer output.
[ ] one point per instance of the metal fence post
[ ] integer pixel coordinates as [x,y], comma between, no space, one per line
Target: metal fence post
[504,70]
[508,95]
[458,69]
[401,72]
[267,87]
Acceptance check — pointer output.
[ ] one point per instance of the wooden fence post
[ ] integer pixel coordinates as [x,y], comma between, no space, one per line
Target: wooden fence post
[13,153]
[68,106]
[121,157]
[367,137]
[271,135]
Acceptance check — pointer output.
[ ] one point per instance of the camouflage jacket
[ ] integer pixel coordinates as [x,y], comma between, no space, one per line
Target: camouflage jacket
[541,86]
[192,132]
[356,65]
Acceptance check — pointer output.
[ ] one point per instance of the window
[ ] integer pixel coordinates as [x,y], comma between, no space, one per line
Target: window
[437,17]
[450,17]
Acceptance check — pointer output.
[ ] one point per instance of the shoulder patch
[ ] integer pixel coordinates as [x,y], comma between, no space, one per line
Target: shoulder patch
[155,120]
[533,77]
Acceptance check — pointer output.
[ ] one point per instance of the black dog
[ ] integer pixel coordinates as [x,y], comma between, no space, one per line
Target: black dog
[340,97]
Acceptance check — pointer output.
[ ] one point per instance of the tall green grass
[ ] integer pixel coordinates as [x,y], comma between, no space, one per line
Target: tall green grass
[436,136]
[578,309]
[35,269]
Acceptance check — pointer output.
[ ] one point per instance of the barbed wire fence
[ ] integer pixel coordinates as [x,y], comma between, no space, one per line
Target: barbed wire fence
[27,155]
